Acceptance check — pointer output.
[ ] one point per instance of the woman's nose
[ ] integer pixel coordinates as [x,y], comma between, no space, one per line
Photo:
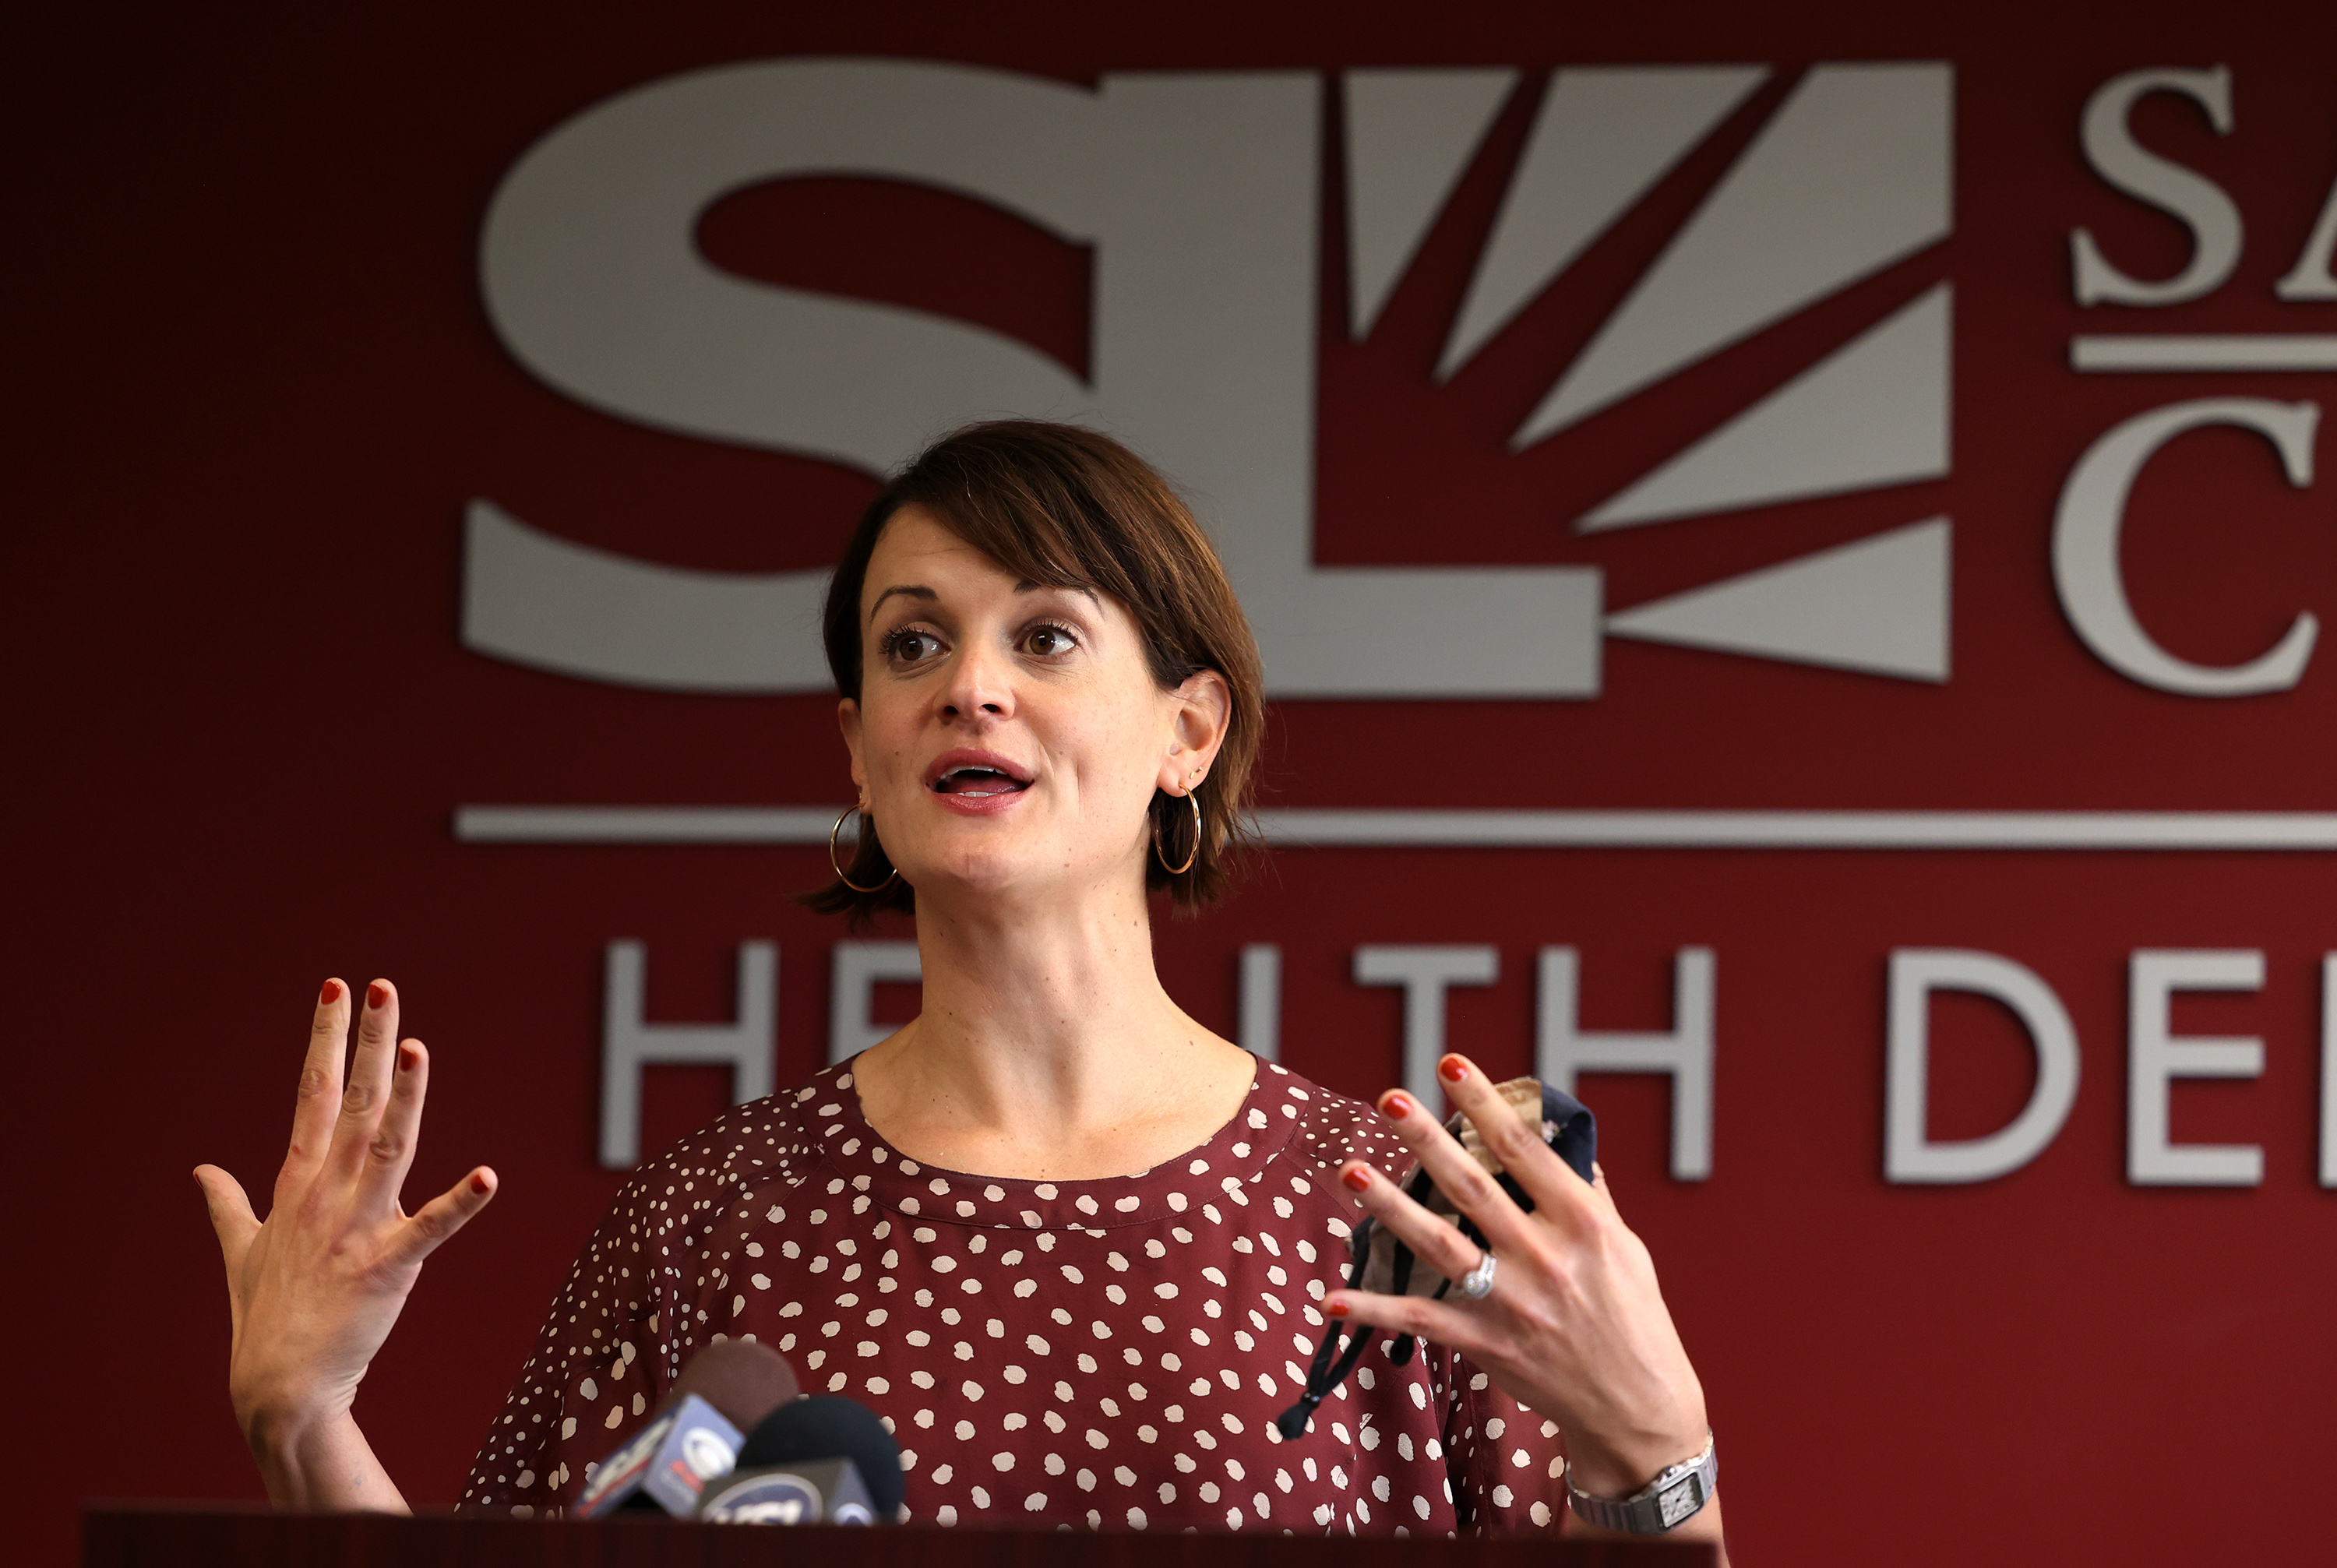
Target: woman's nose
[982,684]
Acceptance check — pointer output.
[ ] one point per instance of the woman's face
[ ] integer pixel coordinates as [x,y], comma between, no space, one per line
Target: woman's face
[1008,737]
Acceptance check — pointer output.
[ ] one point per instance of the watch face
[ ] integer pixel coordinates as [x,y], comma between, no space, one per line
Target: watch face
[1681,1501]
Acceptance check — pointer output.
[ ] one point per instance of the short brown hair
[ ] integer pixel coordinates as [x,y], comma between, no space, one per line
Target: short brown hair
[1068,507]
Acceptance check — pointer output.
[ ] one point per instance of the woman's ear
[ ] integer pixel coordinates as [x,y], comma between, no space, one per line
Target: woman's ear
[847,719]
[1202,707]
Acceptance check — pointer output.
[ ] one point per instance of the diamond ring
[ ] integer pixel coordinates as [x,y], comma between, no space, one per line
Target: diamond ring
[1478,1283]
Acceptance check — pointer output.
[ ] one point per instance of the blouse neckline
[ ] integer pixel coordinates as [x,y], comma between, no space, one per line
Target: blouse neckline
[1232,1159]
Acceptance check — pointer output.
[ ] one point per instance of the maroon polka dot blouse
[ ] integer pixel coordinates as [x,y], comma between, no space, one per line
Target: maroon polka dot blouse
[1100,1355]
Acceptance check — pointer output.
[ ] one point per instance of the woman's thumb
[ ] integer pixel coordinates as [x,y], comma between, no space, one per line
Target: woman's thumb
[231,1211]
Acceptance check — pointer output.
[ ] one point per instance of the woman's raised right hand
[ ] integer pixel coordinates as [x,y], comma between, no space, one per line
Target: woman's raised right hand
[314,1289]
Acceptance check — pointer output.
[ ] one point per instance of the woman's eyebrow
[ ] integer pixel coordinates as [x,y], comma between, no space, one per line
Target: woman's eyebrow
[1093,598]
[908,590]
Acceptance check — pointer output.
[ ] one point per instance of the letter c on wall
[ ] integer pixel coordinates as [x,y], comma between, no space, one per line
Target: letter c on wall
[2085,546]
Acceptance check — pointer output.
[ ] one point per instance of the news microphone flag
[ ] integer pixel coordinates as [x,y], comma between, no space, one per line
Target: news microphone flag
[667,1463]
[823,1491]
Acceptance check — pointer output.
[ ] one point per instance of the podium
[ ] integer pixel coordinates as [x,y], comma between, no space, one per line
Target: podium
[149,1536]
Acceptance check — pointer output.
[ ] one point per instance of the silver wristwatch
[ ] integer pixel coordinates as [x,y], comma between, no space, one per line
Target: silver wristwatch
[1679,1493]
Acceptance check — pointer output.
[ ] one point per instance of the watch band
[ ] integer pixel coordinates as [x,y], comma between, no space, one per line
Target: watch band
[1679,1494]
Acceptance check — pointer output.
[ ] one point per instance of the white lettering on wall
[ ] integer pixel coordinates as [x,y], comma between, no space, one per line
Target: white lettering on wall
[1562,1048]
[628,1044]
[2092,514]
[2189,196]
[1260,1004]
[2311,278]
[2155,1057]
[1425,973]
[2328,1069]
[1909,1153]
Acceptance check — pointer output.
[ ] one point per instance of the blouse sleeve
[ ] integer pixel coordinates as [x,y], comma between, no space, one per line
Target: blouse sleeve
[1506,1463]
[601,1366]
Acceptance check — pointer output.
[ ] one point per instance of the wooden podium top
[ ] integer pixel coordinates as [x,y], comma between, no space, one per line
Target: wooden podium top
[184,1535]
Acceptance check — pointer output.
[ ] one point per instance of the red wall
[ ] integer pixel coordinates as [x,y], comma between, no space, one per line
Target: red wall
[254,386]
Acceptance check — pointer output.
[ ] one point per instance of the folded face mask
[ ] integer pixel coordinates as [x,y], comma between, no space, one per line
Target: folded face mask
[1377,1261]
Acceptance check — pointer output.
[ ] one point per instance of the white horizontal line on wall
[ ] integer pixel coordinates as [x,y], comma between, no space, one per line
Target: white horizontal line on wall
[1500,829]
[644,824]
[2206,351]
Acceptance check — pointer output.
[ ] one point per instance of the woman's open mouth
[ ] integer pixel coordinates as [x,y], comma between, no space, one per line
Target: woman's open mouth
[976,776]
[977,782]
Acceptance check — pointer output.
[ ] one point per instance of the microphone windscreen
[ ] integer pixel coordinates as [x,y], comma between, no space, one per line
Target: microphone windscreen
[829,1427]
[742,1378]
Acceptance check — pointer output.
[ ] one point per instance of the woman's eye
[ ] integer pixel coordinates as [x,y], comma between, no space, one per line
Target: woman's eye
[1046,640]
[912,646]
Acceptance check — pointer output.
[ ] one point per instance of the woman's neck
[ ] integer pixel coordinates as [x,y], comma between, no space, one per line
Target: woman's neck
[1046,1047]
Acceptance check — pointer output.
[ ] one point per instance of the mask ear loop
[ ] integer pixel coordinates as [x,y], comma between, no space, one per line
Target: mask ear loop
[1324,1374]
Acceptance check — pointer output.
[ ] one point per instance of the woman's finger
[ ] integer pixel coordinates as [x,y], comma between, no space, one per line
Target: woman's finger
[1437,1241]
[1548,1180]
[391,1153]
[442,1216]
[370,1065]
[319,1097]
[1438,1322]
[230,1211]
[1456,1174]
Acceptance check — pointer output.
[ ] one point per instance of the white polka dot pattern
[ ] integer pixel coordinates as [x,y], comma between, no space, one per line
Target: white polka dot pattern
[1100,1355]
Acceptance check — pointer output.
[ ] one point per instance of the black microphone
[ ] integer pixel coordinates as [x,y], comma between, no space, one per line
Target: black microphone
[696,1435]
[824,1459]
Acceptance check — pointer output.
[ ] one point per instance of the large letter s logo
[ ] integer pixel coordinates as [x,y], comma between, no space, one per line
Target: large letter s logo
[592,281]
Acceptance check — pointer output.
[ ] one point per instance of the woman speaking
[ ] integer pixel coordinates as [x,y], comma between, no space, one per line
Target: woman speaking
[1074,1248]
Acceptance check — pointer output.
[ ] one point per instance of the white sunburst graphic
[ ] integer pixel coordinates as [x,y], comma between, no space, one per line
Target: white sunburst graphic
[1850,175]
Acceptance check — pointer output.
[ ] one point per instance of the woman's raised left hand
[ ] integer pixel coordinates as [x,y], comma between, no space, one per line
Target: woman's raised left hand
[1574,1327]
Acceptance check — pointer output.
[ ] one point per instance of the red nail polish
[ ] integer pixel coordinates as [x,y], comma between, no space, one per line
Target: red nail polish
[1453,1069]
[376,996]
[478,1183]
[1337,1309]
[1396,1105]
[1356,1178]
[408,1059]
[329,995]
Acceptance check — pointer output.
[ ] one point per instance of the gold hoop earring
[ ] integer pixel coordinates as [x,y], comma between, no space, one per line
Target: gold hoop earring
[840,876]
[1192,797]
